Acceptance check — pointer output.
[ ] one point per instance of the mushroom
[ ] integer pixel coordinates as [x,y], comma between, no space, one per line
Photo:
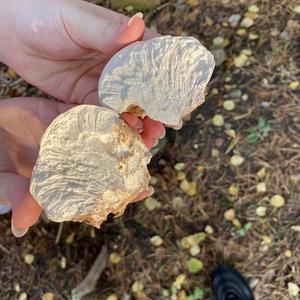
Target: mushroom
[164,78]
[90,164]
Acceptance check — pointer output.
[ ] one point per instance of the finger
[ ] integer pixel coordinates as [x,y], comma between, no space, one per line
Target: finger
[153,129]
[102,29]
[133,122]
[25,210]
[131,32]
[149,141]
[144,194]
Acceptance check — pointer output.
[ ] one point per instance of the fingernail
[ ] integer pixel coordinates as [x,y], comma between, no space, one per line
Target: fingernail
[18,232]
[163,133]
[139,15]
[139,126]
[151,190]
[155,143]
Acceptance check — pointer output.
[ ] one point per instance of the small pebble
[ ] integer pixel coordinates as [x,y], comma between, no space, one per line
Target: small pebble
[253,282]
[277,201]
[48,296]
[184,243]
[29,258]
[236,222]
[218,120]
[253,36]
[294,85]
[297,9]
[231,133]
[177,202]
[250,15]
[245,97]
[247,52]
[112,297]
[93,233]
[247,22]
[180,279]
[274,32]
[63,262]
[296,228]
[70,238]
[151,203]
[288,253]
[253,8]
[261,173]
[261,187]
[156,240]
[180,166]
[237,160]
[261,211]
[208,229]
[190,188]
[293,289]
[215,91]
[218,41]
[236,94]
[267,239]
[153,180]
[194,250]
[229,105]
[215,152]
[233,190]
[137,287]
[241,31]
[240,60]
[234,19]
[23,296]
[180,176]
[114,258]
[229,214]
[17,288]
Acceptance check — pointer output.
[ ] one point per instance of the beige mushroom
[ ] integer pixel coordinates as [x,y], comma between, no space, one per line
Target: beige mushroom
[164,78]
[90,164]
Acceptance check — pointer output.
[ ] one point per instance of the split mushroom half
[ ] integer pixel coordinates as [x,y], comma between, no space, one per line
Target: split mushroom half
[164,78]
[90,162]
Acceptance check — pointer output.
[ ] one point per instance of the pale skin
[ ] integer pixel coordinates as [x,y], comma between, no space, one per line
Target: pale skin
[61,47]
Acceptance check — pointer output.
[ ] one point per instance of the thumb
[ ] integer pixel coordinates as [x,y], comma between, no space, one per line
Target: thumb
[25,210]
[101,29]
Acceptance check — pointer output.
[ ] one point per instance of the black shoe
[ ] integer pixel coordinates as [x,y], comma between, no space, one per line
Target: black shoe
[228,284]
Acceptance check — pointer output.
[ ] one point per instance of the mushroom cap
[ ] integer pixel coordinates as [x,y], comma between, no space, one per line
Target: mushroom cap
[164,78]
[90,164]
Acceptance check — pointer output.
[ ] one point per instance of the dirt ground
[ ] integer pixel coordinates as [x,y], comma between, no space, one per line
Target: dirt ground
[237,151]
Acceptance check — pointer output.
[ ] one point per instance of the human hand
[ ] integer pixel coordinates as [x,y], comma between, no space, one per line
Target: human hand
[61,46]
[22,124]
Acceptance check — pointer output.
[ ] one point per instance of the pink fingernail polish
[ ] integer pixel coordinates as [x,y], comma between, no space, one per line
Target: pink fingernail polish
[139,15]
[18,232]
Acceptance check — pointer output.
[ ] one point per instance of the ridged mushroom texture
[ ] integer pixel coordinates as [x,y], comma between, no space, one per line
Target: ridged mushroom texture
[164,78]
[90,164]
